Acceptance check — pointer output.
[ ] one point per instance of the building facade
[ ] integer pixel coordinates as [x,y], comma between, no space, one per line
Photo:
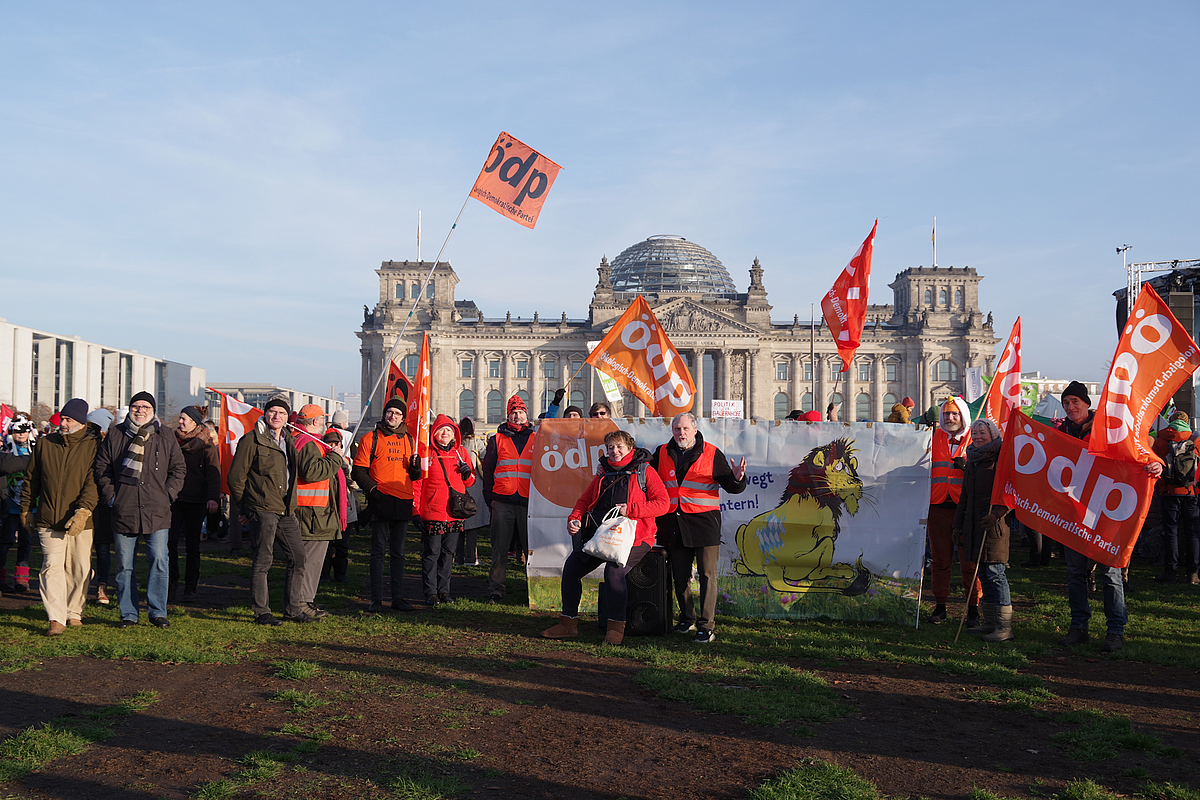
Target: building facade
[257,395]
[920,345]
[40,371]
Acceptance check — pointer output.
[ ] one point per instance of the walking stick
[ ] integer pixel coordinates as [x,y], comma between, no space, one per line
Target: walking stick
[974,578]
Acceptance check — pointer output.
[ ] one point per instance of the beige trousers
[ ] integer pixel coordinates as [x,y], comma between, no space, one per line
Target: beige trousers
[66,573]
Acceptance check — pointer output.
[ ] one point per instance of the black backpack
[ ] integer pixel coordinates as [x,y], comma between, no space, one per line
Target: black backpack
[1180,466]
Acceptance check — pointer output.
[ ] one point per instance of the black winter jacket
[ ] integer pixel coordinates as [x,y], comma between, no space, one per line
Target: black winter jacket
[145,507]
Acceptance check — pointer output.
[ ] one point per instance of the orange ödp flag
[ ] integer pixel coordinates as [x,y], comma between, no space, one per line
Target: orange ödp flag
[1004,394]
[1093,505]
[515,180]
[417,418]
[1155,355]
[845,305]
[639,356]
[234,420]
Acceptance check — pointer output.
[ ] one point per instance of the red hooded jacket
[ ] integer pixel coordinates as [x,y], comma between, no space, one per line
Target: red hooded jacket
[434,494]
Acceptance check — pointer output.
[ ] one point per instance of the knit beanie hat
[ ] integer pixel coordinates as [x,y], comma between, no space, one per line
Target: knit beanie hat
[1076,389]
[77,409]
[515,403]
[144,397]
[396,402]
[102,418]
[277,402]
[908,401]
[194,413]
[341,418]
[466,427]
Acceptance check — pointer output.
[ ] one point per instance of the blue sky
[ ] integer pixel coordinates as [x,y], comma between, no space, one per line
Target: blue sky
[216,183]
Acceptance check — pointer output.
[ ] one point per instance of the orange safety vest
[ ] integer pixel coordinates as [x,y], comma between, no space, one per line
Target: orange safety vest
[945,482]
[512,468]
[315,494]
[699,492]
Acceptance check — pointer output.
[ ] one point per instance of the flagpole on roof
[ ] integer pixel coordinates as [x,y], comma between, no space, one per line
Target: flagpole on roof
[933,238]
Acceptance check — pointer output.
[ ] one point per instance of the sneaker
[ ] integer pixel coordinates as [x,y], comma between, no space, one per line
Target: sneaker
[400,604]
[685,627]
[1113,642]
[160,622]
[302,617]
[704,637]
[101,595]
[127,623]
[432,602]
[315,611]
[1074,636]
[266,619]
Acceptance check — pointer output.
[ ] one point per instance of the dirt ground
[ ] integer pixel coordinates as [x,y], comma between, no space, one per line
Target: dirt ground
[517,717]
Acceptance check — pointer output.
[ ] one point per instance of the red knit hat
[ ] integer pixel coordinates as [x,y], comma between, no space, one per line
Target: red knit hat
[908,401]
[515,403]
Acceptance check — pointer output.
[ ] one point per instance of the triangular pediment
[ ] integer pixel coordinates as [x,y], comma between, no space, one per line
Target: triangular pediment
[682,317]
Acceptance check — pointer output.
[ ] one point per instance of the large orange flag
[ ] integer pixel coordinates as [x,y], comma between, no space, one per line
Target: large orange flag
[398,384]
[234,420]
[515,180]
[639,356]
[1005,392]
[1155,355]
[418,405]
[845,305]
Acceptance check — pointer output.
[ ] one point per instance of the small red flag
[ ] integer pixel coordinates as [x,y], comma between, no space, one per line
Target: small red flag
[845,305]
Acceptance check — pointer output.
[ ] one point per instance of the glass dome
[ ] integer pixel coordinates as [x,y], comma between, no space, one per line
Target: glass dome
[670,264]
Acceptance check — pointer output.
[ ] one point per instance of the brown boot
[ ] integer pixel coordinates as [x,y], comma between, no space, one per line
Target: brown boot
[616,632]
[567,628]
[1003,631]
[56,628]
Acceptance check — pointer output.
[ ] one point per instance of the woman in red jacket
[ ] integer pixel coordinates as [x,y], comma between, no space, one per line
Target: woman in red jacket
[449,468]
[617,486]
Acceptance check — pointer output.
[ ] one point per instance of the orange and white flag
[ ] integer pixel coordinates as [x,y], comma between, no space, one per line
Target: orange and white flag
[1005,392]
[234,420]
[845,305]
[638,355]
[417,418]
[1154,357]
[515,180]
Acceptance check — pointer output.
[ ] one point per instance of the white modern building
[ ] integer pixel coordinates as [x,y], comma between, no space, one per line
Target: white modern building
[257,395]
[40,371]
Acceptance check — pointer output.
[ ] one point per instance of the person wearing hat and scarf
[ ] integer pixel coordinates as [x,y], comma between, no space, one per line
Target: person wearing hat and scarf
[62,480]
[322,499]
[1078,423]
[139,473]
[950,442]
[507,466]
[18,446]
[982,532]
[449,468]
[199,497]
[385,466]
[1177,489]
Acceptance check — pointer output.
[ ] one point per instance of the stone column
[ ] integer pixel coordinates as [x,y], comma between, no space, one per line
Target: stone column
[535,384]
[698,379]
[752,387]
[480,384]
[849,377]
[797,384]
[878,412]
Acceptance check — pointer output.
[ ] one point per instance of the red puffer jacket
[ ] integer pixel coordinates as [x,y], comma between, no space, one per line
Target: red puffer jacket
[642,506]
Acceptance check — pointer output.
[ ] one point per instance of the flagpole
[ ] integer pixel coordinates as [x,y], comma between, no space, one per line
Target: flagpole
[934,239]
[812,349]
[396,345]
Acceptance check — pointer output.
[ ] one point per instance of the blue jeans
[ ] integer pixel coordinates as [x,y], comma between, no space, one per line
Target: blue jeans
[995,585]
[156,584]
[1077,592]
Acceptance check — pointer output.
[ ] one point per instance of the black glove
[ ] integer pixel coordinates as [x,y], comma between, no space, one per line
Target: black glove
[559,395]
[959,462]
[464,469]
[414,468]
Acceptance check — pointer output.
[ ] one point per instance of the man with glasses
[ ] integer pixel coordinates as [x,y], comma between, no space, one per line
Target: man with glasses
[139,472]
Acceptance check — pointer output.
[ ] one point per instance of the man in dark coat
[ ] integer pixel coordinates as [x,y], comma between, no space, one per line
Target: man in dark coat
[692,471]
[139,473]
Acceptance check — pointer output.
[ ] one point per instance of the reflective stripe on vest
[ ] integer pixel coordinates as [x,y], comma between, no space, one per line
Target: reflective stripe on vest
[512,468]
[699,492]
[315,494]
[945,482]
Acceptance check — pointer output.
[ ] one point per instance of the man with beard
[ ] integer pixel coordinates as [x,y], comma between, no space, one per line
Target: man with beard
[139,473]
[694,471]
[950,442]
[507,465]
[321,500]
[385,466]
[1078,423]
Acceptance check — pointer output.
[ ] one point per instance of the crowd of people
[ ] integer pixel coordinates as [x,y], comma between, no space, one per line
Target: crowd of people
[97,483]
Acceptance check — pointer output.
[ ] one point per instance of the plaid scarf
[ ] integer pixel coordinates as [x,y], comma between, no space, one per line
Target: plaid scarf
[131,467]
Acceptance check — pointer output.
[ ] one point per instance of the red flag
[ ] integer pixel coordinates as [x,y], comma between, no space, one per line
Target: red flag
[845,305]
[1155,355]
[1094,505]
[6,414]
[234,420]
[637,353]
[515,180]
[1004,394]
[417,417]
[398,384]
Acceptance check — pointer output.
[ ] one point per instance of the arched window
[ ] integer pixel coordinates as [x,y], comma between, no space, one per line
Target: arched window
[524,395]
[945,370]
[547,396]
[466,404]
[890,400]
[862,407]
[806,402]
[416,291]
[495,408]
[958,297]
[837,400]
[929,297]
[429,291]
[781,405]
[399,291]
[942,297]
[577,400]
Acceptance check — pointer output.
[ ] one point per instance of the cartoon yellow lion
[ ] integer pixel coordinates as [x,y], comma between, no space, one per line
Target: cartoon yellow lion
[792,545]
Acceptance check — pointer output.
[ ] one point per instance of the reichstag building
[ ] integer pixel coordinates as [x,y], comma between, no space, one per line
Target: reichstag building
[919,345]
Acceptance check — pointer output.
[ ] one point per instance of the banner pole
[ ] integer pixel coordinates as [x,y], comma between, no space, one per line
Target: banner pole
[396,345]
[974,578]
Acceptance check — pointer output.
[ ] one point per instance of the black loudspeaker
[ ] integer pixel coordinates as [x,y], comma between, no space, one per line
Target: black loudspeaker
[650,612]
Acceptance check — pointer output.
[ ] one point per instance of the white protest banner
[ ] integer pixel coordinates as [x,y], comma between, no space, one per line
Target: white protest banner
[974,384]
[831,524]
[727,409]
